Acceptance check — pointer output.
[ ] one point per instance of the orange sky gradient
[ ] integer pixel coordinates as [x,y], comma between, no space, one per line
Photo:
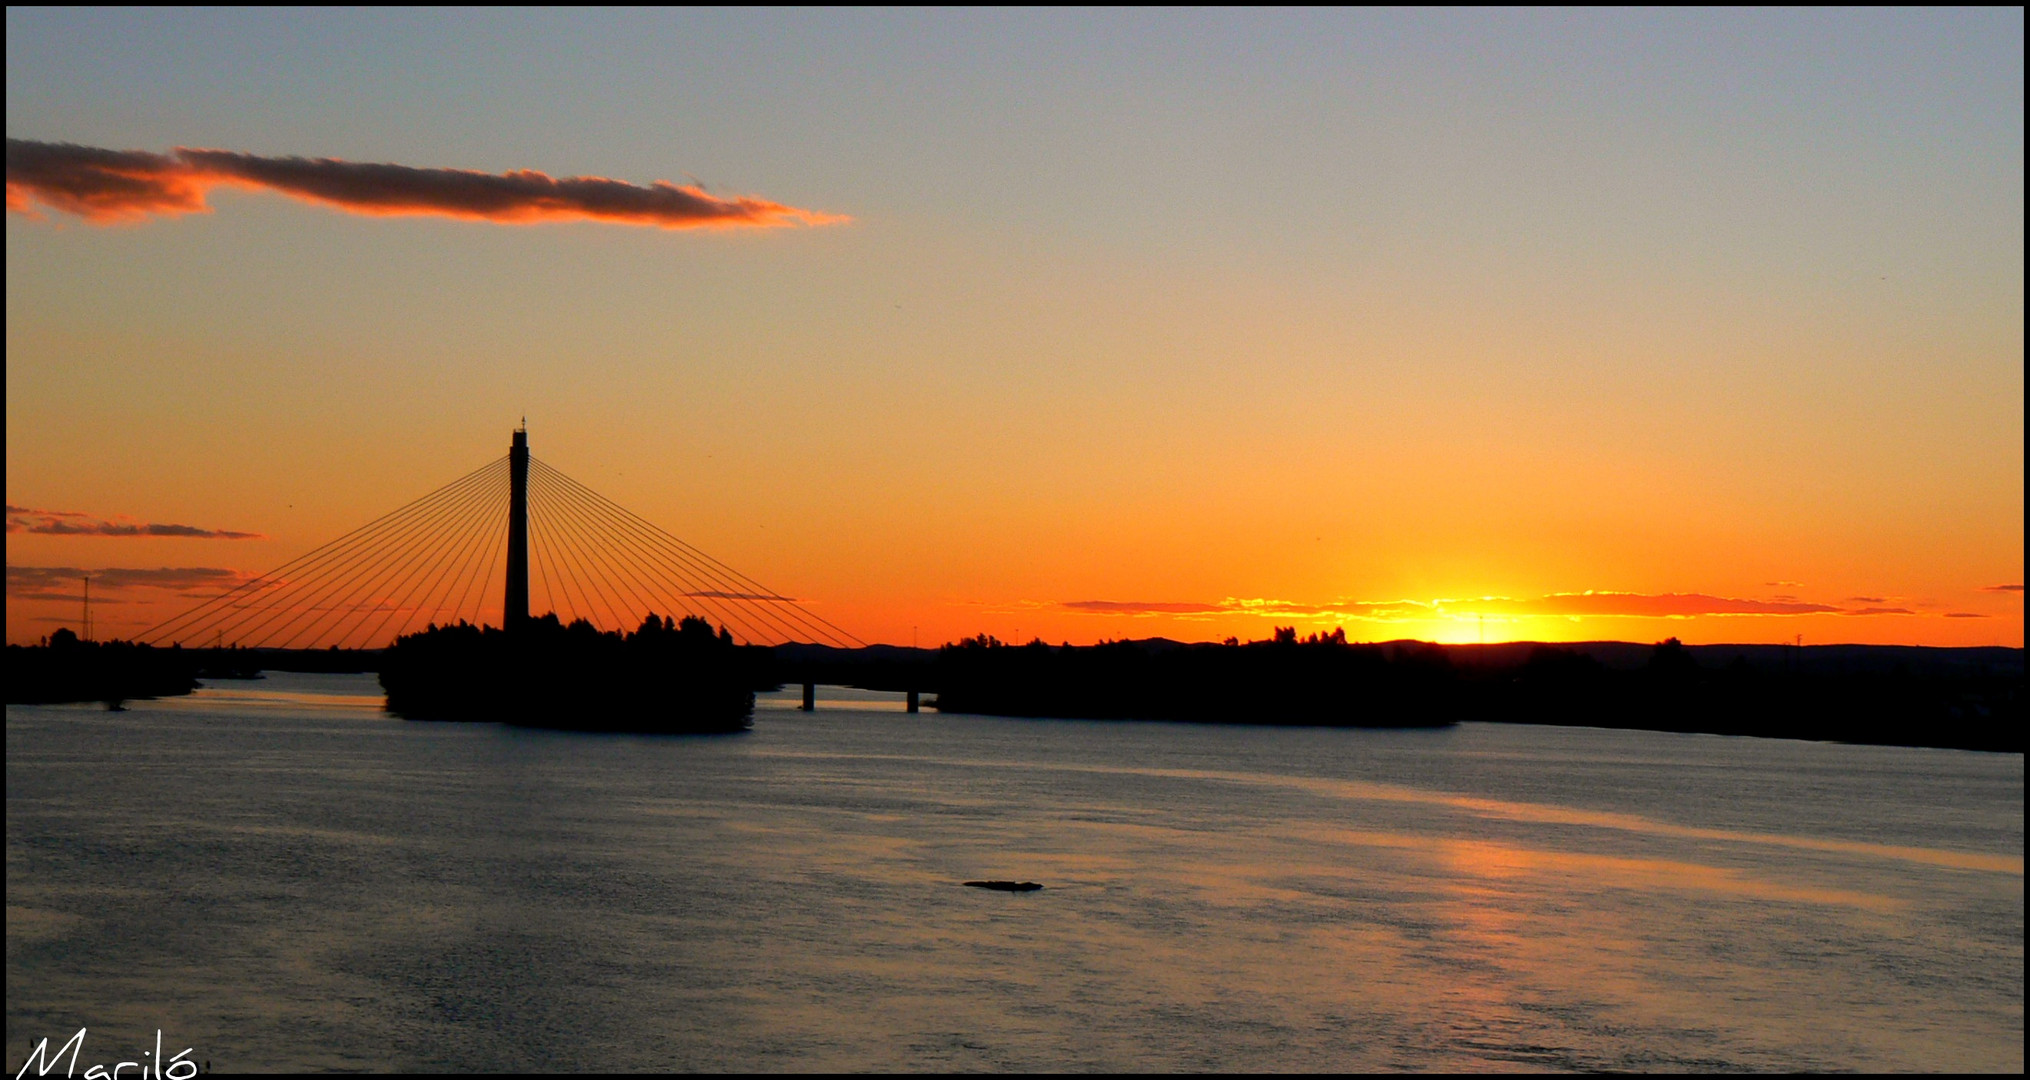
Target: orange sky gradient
[1506,327]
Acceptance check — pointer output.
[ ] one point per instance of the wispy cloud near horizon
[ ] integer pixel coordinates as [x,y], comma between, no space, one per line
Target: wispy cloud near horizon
[39,582]
[1581,604]
[112,186]
[719,594]
[23,519]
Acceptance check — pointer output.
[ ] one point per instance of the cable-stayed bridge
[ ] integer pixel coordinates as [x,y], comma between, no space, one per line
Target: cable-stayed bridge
[510,537]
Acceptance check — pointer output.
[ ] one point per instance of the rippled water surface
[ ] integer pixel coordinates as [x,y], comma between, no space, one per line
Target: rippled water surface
[282,877]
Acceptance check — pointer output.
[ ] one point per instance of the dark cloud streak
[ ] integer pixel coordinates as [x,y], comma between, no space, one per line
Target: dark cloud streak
[126,185]
[22,519]
[24,582]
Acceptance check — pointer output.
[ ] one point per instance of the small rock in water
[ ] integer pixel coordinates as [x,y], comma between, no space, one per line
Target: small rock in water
[1005,886]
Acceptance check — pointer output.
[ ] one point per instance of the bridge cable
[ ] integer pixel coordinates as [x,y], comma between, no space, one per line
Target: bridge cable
[208,615]
[750,583]
[372,566]
[675,555]
[592,552]
[707,592]
[563,533]
[323,582]
[458,567]
[441,553]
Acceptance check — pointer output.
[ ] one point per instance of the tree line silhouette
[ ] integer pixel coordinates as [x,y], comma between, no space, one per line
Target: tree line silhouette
[1323,680]
[65,668]
[665,677]
[1891,704]
[683,676]
[1317,681]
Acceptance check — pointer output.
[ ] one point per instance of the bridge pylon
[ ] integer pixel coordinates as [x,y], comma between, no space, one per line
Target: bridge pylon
[515,610]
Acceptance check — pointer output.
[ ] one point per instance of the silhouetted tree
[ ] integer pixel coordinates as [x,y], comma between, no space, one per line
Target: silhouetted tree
[664,677]
[1671,658]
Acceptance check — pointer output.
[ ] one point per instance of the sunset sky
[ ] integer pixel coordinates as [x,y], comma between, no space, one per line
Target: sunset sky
[1080,325]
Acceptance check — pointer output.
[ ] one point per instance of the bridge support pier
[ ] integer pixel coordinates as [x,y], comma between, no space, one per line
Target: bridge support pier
[912,701]
[810,697]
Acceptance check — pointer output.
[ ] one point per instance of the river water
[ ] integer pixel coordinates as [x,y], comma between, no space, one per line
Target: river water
[279,876]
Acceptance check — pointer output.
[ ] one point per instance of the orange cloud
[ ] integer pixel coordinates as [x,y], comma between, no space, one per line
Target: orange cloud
[106,186]
[22,519]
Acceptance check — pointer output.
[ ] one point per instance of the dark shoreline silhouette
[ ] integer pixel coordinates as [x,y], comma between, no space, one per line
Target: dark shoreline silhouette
[1320,682]
[68,669]
[1965,698]
[1969,699]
